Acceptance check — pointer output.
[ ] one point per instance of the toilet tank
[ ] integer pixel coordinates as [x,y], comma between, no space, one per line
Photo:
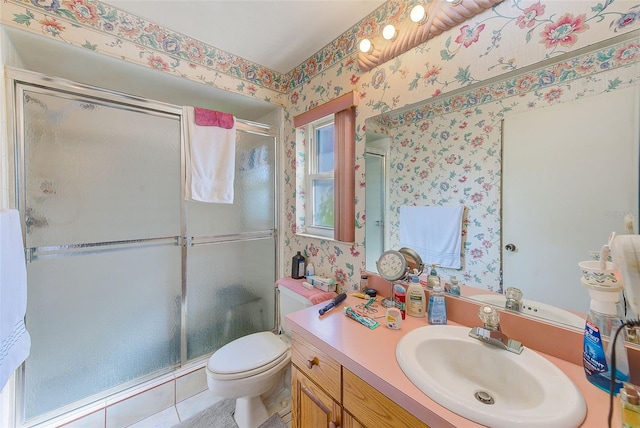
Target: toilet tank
[290,302]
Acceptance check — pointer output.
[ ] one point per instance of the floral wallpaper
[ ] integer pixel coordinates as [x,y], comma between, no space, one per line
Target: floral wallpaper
[457,70]
[447,150]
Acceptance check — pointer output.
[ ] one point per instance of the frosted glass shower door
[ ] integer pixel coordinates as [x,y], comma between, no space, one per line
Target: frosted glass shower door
[231,263]
[99,186]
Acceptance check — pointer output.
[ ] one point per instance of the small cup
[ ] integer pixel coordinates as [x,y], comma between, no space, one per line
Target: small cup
[593,274]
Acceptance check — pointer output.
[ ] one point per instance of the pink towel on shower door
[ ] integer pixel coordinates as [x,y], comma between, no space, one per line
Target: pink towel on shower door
[211,156]
[206,117]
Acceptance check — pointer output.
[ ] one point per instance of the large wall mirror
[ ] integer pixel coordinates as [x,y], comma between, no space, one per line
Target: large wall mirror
[577,177]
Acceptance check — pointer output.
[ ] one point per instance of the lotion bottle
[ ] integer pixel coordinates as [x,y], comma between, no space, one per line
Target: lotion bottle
[417,302]
[310,270]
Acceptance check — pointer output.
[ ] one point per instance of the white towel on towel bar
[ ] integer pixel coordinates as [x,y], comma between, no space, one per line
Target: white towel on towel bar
[15,342]
[211,160]
[434,232]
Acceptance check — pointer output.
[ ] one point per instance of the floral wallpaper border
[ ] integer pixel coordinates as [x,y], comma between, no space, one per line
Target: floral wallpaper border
[543,79]
[54,15]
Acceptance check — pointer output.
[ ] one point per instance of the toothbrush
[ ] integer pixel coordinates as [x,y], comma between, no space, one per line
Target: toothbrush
[604,255]
[628,224]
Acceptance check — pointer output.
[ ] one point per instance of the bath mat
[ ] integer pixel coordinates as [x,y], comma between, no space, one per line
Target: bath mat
[220,415]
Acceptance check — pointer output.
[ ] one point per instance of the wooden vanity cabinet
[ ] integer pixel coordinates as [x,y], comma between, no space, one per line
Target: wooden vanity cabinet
[325,394]
[371,408]
[311,406]
[316,387]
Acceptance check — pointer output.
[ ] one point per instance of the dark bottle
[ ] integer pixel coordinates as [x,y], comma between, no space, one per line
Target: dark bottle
[297,266]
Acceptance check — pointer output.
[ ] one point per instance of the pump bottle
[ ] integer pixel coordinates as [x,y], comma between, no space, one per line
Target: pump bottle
[603,320]
[454,287]
[417,302]
[433,278]
[437,312]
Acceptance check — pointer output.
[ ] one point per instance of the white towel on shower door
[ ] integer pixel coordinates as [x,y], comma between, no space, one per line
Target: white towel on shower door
[434,232]
[15,342]
[211,160]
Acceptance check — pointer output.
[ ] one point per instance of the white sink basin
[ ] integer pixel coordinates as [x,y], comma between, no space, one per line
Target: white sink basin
[536,309]
[452,368]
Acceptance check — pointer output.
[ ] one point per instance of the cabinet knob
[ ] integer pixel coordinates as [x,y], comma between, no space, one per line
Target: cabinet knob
[312,362]
[333,425]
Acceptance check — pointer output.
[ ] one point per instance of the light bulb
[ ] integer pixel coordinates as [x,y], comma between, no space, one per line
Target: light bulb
[418,14]
[389,32]
[365,45]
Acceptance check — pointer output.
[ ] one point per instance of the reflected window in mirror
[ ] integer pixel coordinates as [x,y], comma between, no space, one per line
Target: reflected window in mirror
[325,171]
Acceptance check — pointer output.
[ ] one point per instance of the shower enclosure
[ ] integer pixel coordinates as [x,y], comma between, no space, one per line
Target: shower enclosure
[126,280]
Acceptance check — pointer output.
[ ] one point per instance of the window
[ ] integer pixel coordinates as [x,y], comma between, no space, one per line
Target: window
[329,175]
[320,178]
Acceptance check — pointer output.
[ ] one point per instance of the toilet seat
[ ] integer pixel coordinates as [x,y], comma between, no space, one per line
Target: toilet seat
[248,356]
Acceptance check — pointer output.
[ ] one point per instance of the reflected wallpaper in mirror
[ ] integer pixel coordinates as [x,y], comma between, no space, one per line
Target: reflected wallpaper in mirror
[448,152]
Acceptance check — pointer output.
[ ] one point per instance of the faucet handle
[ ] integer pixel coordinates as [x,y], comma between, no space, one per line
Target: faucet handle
[489,317]
[514,298]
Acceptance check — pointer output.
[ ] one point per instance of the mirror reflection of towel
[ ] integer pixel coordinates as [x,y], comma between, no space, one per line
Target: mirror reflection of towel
[434,232]
[211,155]
[15,342]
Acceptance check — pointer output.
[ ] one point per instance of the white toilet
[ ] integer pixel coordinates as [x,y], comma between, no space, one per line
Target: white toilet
[255,365]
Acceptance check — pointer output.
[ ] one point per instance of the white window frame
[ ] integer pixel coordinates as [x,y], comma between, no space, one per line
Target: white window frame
[311,174]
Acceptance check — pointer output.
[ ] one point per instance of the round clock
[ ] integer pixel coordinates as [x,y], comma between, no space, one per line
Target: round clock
[392,265]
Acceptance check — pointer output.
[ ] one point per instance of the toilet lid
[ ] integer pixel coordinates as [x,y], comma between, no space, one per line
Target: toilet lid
[247,353]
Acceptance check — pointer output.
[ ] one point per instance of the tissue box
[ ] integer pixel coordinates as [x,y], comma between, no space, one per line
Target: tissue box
[324,284]
[325,287]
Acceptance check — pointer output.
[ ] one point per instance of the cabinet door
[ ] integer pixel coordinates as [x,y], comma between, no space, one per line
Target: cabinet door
[371,407]
[311,406]
[349,421]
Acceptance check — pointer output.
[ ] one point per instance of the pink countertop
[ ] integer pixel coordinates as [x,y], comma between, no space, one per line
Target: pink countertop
[370,354]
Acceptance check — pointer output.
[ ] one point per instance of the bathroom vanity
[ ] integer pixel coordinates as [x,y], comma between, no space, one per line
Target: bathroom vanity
[343,400]
[346,375]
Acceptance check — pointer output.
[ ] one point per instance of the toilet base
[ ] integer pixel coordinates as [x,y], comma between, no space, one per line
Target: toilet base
[250,412]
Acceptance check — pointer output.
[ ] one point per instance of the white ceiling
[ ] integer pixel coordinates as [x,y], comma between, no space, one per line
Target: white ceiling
[277,34]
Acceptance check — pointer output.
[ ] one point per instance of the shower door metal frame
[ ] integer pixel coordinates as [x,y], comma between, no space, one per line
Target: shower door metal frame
[16,81]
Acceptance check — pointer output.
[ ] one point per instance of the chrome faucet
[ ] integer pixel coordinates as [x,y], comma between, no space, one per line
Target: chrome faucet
[514,299]
[490,331]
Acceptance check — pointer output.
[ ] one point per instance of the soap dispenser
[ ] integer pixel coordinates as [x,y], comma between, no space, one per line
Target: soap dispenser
[433,279]
[437,312]
[454,287]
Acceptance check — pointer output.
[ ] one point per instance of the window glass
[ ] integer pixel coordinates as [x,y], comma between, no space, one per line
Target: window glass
[323,203]
[325,186]
[320,178]
[324,148]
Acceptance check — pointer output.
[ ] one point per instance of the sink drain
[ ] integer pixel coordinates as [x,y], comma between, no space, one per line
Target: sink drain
[484,397]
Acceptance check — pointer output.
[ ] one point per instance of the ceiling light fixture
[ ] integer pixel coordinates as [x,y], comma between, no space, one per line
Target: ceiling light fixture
[366,46]
[418,14]
[389,32]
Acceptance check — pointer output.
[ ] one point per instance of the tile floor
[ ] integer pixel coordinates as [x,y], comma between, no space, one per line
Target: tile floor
[189,407]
